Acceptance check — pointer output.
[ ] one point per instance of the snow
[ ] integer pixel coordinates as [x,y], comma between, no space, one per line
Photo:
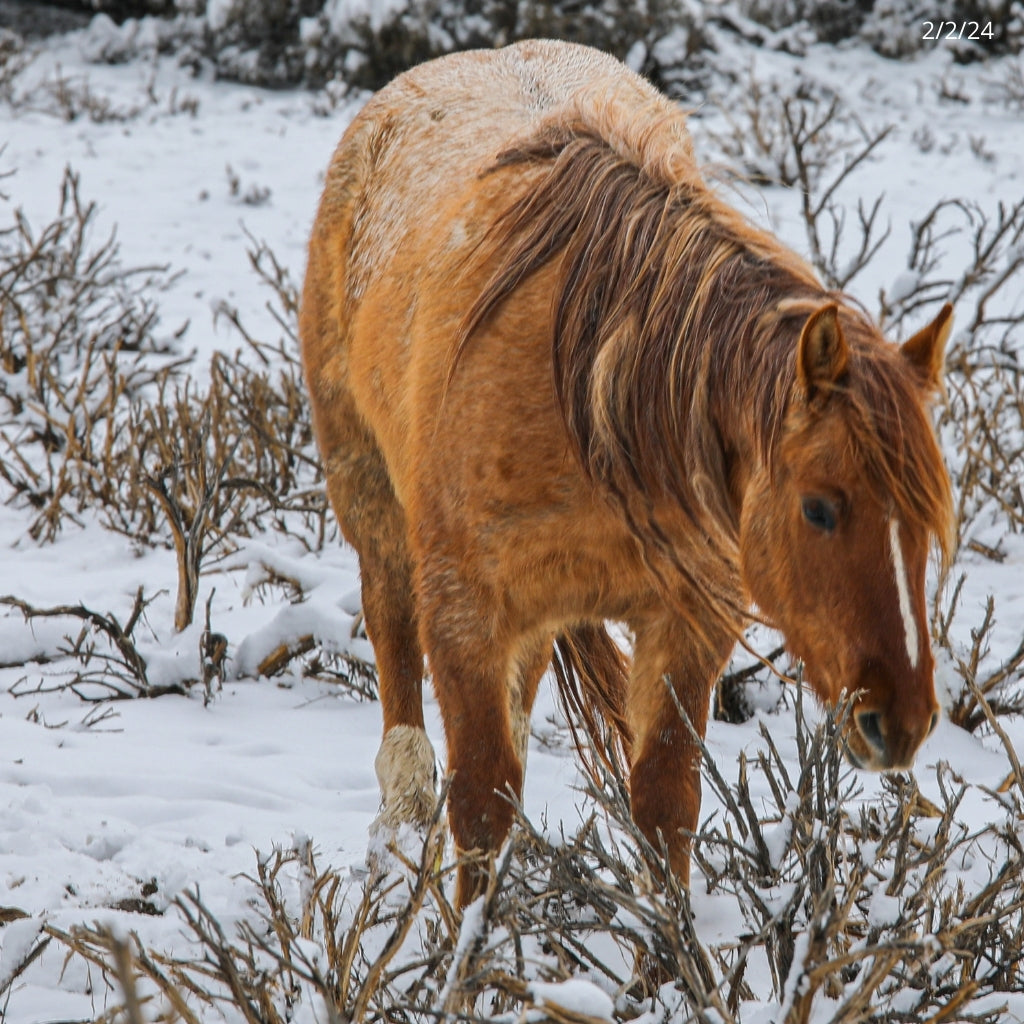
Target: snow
[218,13]
[173,795]
[343,13]
[471,931]
[574,996]
[777,837]
[19,938]
[884,911]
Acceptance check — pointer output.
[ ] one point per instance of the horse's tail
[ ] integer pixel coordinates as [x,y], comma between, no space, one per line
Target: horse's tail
[592,675]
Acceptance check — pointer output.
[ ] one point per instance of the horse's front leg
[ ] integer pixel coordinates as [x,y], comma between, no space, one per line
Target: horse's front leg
[674,673]
[475,672]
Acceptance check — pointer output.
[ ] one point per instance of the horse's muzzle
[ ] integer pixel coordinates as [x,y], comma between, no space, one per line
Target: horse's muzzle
[876,745]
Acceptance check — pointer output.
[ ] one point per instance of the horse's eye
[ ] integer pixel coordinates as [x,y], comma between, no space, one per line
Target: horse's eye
[820,513]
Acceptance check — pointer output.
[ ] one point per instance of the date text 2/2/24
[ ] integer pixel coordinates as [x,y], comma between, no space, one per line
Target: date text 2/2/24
[938,30]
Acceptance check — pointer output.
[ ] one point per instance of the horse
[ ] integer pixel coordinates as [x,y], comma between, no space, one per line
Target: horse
[558,382]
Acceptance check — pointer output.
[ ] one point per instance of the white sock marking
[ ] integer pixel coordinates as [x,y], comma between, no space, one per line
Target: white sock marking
[903,590]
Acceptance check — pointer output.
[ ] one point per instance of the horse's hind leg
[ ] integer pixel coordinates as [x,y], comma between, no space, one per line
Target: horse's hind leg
[529,667]
[373,521]
[364,501]
[405,761]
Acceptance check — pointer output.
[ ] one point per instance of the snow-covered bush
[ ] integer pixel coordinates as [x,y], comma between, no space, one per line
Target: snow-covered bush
[99,415]
[382,43]
[13,59]
[364,43]
[121,9]
[884,913]
[76,328]
[832,20]
[896,28]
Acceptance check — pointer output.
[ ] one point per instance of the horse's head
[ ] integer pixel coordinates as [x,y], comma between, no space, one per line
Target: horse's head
[837,526]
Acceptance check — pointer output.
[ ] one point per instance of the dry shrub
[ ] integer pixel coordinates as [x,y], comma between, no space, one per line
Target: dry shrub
[855,912]
[211,466]
[111,669]
[982,422]
[809,140]
[97,413]
[74,99]
[99,418]
[897,29]
[313,659]
[78,343]
[989,689]
[732,700]
[861,911]
[14,58]
[232,459]
[984,425]
[988,264]
[1008,87]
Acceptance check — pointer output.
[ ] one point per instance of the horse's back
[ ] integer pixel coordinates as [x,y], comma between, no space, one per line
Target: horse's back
[436,128]
[458,112]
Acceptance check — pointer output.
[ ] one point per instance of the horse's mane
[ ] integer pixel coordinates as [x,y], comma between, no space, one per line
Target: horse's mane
[673,314]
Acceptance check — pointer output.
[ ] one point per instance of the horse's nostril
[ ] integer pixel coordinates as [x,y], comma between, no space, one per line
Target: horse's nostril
[934,722]
[870,725]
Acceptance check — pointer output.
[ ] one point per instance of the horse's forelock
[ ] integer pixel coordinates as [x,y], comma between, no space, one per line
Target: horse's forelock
[894,438]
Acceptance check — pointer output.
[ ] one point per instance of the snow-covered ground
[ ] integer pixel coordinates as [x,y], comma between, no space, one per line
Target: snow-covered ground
[167,795]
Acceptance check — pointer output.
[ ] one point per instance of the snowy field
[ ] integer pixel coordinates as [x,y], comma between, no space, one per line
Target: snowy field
[111,811]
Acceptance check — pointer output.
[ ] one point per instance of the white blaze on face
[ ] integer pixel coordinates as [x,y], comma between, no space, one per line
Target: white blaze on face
[903,590]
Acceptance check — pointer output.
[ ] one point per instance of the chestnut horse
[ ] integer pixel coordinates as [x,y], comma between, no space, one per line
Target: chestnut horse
[556,381]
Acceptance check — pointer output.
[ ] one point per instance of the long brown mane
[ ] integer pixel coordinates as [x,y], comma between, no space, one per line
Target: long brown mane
[673,314]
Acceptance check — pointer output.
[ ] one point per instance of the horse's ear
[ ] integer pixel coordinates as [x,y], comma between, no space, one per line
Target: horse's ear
[822,355]
[926,350]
